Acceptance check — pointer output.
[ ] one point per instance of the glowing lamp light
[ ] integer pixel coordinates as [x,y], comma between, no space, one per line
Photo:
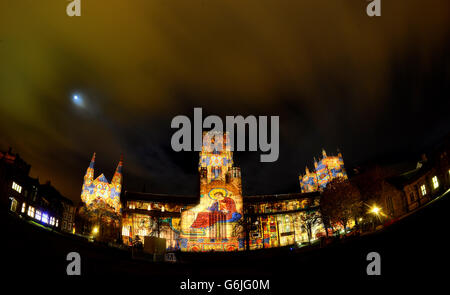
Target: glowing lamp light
[375,210]
[95,230]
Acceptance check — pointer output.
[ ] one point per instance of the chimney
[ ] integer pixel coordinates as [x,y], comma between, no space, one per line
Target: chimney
[424,158]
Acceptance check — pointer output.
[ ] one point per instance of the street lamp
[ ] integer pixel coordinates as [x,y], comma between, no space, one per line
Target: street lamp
[375,210]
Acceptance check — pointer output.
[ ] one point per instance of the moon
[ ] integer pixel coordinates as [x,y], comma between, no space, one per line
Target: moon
[77,100]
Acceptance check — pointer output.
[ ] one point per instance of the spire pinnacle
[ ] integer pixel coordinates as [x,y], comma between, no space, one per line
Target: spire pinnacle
[117,178]
[91,165]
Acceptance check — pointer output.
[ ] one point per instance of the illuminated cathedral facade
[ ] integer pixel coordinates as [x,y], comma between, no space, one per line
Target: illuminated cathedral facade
[100,210]
[221,218]
[212,224]
[325,170]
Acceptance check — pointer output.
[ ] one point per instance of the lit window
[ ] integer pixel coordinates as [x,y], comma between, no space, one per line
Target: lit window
[13,204]
[45,218]
[125,231]
[435,182]
[24,206]
[56,224]
[16,187]
[38,215]
[52,220]
[30,211]
[423,189]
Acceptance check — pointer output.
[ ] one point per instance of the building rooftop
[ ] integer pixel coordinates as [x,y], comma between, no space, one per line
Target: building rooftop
[187,199]
[279,197]
[410,176]
[177,199]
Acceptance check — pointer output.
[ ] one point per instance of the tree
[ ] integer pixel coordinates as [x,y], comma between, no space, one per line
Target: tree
[340,202]
[243,227]
[375,189]
[310,218]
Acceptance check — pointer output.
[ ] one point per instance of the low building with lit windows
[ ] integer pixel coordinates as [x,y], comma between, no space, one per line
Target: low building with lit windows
[59,207]
[430,179]
[68,217]
[282,220]
[14,180]
[154,215]
[271,220]
[39,203]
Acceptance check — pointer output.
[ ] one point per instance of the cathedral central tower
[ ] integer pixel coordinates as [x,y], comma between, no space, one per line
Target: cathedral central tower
[212,224]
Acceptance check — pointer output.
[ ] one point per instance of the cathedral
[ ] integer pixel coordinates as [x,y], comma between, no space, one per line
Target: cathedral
[100,211]
[220,217]
[327,169]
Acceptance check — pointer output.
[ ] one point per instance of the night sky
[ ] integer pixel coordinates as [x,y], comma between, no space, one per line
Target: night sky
[336,77]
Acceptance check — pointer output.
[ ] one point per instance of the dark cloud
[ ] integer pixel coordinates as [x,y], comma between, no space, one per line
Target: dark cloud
[336,78]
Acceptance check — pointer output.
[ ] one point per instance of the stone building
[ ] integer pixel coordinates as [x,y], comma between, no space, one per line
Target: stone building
[39,203]
[429,179]
[221,218]
[325,170]
[99,213]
